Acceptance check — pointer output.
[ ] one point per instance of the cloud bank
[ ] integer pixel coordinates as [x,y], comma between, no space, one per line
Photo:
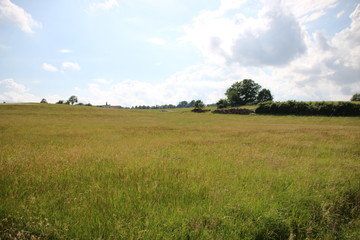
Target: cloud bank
[15,92]
[11,12]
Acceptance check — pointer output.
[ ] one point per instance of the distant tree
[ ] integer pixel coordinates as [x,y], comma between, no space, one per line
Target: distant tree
[67,102]
[191,104]
[43,101]
[244,92]
[199,104]
[355,97]
[73,99]
[264,96]
[183,104]
[60,102]
[222,103]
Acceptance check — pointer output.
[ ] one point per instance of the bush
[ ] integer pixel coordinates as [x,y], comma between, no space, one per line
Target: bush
[199,104]
[309,108]
[222,103]
[355,97]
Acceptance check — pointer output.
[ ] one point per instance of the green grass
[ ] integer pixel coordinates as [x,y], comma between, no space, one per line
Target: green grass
[76,172]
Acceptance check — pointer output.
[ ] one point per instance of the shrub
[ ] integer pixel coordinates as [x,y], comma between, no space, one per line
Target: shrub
[355,97]
[309,108]
[199,104]
[222,103]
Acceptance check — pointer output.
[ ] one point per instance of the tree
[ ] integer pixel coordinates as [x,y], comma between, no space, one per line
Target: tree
[73,99]
[199,104]
[191,104]
[60,102]
[182,104]
[264,96]
[244,92]
[222,103]
[43,100]
[355,97]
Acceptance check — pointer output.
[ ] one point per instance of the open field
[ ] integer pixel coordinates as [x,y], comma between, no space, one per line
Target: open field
[76,172]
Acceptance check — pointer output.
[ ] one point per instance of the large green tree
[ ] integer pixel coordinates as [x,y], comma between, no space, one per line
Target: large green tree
[264,95]
[244,92]
[73,99]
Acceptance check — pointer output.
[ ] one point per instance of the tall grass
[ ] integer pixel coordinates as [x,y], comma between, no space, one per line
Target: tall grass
[71,172]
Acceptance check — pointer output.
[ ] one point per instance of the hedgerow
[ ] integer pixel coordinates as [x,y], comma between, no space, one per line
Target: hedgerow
[309,108]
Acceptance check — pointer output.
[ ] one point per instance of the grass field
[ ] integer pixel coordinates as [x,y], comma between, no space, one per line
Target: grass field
[76,172]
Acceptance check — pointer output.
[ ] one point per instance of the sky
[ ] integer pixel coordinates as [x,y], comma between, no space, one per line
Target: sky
[148,52]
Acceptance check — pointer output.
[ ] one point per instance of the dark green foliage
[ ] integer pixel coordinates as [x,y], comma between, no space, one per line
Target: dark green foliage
[182,104]
[60,102]
[264,96]
[199,104]
[244,92]
[73,99]
[191,104]
[355,97]
[43,100]
[222,103]
[309,108]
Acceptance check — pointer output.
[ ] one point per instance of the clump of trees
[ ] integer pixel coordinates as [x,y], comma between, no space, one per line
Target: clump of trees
[355,97]
[182,104]
[309,108]
[43,101]
[72,100]
[199,105]
[222,103]
[247,92]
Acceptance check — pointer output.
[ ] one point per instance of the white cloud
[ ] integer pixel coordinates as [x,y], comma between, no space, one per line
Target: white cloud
[273,38]
[157,41]
[65,51]
[11,12]
[206,82]
[71,66]
[340,14]
[226,5]
[49,67]
[15,92]
[103,81]
[308,10]
[108,4]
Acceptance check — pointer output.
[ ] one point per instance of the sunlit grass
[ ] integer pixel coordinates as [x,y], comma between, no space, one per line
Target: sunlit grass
[71,172]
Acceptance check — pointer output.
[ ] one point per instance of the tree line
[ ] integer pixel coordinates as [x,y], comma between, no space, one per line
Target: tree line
[182,104]
[245,92]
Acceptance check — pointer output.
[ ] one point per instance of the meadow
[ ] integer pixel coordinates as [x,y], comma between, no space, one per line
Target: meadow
[77,172]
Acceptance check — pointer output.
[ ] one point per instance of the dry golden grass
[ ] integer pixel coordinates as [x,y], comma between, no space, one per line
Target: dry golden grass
[72,172]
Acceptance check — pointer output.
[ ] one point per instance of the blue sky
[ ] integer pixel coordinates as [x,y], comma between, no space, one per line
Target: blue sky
[142,52]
